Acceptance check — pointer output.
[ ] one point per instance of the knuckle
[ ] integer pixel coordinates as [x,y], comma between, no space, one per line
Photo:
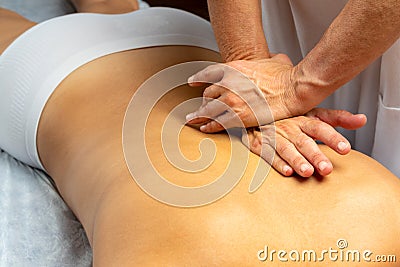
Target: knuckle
[230,100]
[297,161]
[268,130]
[303,141]
[207,92]
[284,148]
[277,164]
[211,125]
[268,140]
[316,157]
[204,110]
[334,137]
[256,145]
[284,129]
[268,133]
[313,128]
[207,127]
[217,126]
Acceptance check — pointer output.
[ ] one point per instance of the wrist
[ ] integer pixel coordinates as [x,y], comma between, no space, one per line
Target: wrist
[244,52]
[310,86]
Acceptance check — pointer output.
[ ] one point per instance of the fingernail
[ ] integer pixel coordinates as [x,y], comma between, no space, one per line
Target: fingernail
[191,79]
[286,169]
[322,165]
[304,167]
[342,146]
[189,116]
[202,128]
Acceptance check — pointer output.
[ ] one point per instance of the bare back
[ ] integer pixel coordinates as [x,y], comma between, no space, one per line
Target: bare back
[80,145]
[358,202]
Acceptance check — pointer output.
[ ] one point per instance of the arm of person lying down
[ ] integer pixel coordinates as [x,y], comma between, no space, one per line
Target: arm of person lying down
[105,6]
[362,31]
[292,141]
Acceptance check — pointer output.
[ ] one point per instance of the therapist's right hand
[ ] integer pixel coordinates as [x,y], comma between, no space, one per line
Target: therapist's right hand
[252,92]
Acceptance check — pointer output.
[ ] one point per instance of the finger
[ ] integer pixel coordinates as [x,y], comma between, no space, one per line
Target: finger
[211,74]
[212,127]
[282,166]
[226,120]
[201,120]
[310,150]
[341,118]
[206,112]
[256,144]
[288,152]
[212,92]
[269,154]
[328,135]
[251,138]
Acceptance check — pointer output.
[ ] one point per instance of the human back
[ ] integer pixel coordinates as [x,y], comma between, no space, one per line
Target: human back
[284,213]
[80,145]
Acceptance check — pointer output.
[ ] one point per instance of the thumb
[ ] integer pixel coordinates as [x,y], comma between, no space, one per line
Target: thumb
[339,118]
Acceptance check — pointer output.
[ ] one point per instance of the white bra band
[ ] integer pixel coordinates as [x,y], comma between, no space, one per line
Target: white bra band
[34,64]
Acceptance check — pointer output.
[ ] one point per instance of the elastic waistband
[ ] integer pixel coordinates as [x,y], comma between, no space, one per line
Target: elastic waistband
[33,65]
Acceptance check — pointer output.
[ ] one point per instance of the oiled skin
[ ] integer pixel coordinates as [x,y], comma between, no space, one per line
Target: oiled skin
[80,145]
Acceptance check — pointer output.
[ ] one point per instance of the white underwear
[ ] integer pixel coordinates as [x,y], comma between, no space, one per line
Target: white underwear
[34,65]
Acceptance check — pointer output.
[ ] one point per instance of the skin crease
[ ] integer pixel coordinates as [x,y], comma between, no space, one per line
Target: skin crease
[83,154]
[293,162]
[295,152]
[121,220]
[362,31]
[293,137]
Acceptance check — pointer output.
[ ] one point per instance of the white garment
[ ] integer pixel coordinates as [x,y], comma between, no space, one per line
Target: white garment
[37,61]
[294,27]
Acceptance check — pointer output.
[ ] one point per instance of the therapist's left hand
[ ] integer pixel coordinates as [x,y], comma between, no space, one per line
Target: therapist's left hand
[289,146]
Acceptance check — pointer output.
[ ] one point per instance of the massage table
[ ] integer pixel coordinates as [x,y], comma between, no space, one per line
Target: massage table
[36,227]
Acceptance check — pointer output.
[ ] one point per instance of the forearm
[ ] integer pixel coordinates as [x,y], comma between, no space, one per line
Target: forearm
[361,33]
[238,29]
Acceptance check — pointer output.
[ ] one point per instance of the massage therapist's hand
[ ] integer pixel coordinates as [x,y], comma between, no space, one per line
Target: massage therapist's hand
[272,79]
[293,141]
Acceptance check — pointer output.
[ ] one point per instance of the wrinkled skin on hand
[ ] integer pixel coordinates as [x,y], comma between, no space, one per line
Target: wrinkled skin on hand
[245,90]
[293,141]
